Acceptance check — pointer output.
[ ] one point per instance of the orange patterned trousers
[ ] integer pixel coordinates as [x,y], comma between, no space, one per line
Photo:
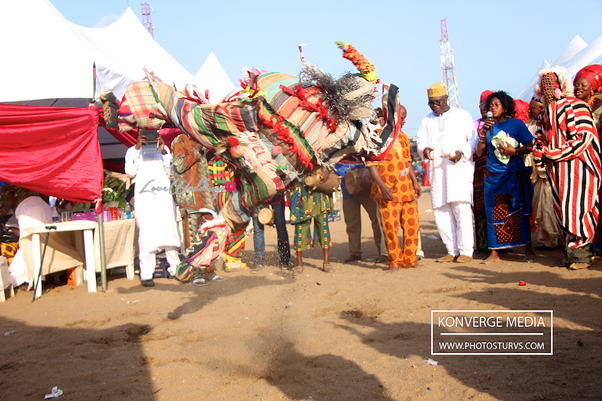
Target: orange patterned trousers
[391,216]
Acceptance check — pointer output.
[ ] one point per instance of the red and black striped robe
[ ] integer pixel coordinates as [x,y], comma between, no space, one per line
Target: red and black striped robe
[567,142]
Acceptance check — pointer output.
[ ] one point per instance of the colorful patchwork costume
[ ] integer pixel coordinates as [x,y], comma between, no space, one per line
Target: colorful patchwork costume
[305,207]
[394,171]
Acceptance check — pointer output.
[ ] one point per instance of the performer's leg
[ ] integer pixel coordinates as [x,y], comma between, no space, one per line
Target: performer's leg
[383,245]
[419,251]
[390,218]
[258,241]
[370,206]
[353,226]
[446,224]
[284,248]
[409,225]
[148,260]
[173,260]
[465,235]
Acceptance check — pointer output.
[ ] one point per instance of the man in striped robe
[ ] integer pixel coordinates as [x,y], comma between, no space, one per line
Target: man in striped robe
[567,143]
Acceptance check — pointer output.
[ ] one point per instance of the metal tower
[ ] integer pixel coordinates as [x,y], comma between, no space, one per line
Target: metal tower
[146,18]
[447,65]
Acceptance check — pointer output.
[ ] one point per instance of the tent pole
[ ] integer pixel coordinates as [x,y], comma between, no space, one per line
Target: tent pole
[101,245]
[93,82]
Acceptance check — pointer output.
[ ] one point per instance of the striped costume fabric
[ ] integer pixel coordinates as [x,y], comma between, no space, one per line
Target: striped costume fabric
[283,131]
[568,144]
[329,147]
[210,244]
[138,108]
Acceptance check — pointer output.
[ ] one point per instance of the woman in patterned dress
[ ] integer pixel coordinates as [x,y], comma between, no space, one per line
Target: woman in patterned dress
[508,189]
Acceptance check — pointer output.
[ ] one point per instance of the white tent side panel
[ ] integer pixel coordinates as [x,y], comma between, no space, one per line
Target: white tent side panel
[44,57]
[212,77]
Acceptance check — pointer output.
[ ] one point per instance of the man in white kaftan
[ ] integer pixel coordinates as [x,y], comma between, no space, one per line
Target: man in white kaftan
[447,138]
[154,206]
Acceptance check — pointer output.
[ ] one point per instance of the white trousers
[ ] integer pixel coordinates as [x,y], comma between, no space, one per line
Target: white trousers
[148,259]
[454,222]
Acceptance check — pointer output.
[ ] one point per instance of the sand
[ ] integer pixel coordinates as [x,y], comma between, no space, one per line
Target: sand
[359,333]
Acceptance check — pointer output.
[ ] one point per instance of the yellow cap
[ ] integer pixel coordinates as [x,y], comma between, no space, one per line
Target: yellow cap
[437,90]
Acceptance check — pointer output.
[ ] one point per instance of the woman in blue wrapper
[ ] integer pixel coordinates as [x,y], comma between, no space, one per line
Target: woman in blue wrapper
[508,188]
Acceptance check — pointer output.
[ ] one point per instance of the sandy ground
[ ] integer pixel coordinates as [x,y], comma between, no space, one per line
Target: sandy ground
[358,334]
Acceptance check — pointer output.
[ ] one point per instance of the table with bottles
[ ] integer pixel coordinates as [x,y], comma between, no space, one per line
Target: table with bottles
[76,243]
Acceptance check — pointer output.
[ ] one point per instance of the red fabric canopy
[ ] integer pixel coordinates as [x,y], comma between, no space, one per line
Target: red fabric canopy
[51,150]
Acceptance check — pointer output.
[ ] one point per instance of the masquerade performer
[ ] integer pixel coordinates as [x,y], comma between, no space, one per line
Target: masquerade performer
[567,144]
[447,138]
[508,189]
[395,189]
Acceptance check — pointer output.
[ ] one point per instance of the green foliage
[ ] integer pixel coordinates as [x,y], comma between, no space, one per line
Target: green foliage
[113,189]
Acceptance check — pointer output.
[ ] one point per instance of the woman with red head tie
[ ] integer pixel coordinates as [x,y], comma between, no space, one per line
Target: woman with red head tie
[567,143]
[588,82]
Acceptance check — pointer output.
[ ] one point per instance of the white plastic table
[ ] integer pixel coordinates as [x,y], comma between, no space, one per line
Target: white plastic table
[87,228]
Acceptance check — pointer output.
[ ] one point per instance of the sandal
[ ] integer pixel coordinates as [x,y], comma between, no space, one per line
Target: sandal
[297,270]
[579,266]
[327,269]
[381,259]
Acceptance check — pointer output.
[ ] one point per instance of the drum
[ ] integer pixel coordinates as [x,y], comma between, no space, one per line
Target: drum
[358,181]
[266,216]
[329,186]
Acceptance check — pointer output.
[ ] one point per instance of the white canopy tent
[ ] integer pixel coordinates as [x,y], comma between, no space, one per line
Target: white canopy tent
[51,58]
[213,78]
[577,55]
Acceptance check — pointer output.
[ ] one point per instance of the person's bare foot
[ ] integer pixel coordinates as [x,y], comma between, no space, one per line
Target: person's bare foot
[494,257]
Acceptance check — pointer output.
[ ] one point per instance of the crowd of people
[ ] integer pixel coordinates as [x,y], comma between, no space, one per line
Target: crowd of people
[493,182]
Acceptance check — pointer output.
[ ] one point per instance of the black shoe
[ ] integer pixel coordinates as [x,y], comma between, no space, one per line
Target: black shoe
[257,269]
[147,283]
[352,258]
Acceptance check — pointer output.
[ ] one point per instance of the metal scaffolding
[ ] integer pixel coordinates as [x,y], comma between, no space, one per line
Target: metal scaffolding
[447,65]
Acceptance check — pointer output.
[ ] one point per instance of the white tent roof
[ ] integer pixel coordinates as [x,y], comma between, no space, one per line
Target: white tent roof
[51,57]
[576,56]
[128,48]
[212,77]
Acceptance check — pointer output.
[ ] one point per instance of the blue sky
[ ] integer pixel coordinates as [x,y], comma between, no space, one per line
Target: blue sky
[497,45]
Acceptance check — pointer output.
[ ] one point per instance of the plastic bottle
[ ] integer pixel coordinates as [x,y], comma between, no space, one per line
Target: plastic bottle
[128,211]
[55,215]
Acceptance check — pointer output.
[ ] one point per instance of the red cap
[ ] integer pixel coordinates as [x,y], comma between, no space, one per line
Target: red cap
[485,95]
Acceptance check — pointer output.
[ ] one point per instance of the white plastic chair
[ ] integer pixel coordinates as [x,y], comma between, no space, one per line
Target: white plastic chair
[5,281]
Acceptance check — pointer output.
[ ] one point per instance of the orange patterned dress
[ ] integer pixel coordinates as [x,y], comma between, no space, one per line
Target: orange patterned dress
[402,210]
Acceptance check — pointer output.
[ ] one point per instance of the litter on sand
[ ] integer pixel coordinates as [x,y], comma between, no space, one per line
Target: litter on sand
[433,237]
[8,333]
[56,392]
[431,362]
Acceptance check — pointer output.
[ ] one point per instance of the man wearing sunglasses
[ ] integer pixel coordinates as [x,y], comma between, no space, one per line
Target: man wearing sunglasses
[447,139]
